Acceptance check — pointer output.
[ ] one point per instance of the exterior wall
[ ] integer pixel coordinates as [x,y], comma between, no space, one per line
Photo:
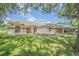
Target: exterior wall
[32,30]
[42,30]
[11,31]
[60,30]
[39,31]
[23,31]
[46,31]
[53,31]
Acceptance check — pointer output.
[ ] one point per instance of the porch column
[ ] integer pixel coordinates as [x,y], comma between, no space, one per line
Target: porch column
[63,30]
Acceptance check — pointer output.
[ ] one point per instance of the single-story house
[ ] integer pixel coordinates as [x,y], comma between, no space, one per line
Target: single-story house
[31,27]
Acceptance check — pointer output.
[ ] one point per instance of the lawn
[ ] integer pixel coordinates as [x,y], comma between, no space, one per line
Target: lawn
[36,45]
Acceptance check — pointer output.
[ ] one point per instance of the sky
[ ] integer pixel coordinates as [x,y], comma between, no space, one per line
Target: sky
[35,15]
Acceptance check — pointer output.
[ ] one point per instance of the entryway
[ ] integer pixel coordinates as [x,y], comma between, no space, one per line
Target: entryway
[28,30]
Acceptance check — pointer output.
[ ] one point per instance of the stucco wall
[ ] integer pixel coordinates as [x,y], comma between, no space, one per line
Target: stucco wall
[12,32]
[42,30]
[45,31]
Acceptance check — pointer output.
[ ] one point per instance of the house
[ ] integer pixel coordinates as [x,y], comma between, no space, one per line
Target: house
[31,27]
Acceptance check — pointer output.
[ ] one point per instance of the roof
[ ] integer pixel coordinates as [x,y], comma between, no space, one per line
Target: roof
[52,25]
[34,23]
[26,23]
[68,26]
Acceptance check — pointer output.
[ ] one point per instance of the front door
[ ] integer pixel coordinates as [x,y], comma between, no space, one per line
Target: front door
[28,30]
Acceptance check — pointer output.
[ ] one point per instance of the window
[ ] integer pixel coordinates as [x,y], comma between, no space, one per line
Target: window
[17,29]
[34,29]
[49,29]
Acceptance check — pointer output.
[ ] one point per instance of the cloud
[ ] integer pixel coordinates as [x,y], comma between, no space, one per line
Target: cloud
[7,19]
[48,22]
[27,17]
[22,13]
[30,17]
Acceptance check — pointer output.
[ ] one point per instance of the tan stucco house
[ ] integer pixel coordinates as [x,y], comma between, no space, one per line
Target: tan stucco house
[31,27]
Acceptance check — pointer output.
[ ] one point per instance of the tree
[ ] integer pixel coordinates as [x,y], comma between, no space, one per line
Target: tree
[7,7]
[71,11]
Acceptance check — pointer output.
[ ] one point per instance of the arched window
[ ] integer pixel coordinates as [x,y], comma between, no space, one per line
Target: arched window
[50,29]
[34,30]
[17,29]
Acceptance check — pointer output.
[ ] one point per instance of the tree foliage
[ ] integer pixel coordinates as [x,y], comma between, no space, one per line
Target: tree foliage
[69,10]
[6,7]
[11,7]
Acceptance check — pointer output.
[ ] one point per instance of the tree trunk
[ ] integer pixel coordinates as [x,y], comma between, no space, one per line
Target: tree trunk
[77,39]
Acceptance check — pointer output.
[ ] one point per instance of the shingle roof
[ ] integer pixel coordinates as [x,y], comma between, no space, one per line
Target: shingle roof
[34,23]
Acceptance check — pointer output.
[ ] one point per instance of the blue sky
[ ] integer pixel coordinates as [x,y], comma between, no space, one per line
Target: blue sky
[36,15]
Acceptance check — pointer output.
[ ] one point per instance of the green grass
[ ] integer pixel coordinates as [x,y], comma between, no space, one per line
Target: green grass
[36,45]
